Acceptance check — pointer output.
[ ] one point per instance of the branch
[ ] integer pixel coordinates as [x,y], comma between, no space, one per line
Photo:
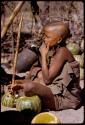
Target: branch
[16,54]
[11,18]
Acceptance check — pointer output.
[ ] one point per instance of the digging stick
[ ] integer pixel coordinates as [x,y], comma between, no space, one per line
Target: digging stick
[16,53]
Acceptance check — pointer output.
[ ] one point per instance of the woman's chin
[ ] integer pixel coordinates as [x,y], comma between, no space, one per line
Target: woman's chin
[52,45]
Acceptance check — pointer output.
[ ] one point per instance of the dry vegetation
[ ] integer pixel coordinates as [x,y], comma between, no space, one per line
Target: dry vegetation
[71,12]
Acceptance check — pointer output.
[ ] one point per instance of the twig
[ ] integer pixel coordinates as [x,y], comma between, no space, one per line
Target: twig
[11,18]
[16,54]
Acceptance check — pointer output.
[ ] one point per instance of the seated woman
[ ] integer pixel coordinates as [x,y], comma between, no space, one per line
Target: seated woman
[57,82]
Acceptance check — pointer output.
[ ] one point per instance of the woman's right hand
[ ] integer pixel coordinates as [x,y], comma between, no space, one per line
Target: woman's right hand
[44,50]
[18,85]
[22,84]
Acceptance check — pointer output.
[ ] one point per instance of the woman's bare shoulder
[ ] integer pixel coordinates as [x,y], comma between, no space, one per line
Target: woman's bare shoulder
[63,51]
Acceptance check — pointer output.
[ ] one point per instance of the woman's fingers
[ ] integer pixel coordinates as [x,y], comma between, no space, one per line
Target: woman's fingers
[17,87]
[44,49]
[48,48]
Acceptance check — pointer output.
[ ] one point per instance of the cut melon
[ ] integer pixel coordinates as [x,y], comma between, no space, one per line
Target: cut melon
[45,118]
[81,74]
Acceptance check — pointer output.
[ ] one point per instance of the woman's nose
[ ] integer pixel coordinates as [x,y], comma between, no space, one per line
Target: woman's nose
[43,37]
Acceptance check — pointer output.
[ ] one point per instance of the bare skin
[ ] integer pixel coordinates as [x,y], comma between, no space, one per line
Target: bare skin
[47,74]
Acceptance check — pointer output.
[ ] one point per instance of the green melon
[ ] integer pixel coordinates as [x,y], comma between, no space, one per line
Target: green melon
[83,55]
[81,74]
[31,103]
[7,100]
[45,118]
[80,60]
[82,45]
[74,48]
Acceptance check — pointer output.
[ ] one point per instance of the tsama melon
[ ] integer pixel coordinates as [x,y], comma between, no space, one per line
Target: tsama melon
[82,45]
[32,103]
[74,48]
[45,118]
[7,100]
[81,74]
[80,60]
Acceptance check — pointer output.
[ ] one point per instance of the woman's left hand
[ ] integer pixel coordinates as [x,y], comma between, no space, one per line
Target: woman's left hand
[44,49]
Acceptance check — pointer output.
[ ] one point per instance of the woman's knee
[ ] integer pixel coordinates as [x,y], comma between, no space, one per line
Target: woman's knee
[65,103]
[28,86]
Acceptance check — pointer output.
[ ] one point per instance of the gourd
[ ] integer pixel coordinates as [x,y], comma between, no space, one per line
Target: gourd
[32,103]
[7,100]
[82,45]
[45,118]
[80,60]
[74,48]
[81,74]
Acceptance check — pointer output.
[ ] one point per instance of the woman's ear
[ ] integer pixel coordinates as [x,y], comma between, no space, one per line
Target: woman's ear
[59,41]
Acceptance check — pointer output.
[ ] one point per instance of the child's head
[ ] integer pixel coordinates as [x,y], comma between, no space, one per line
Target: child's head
[55,32]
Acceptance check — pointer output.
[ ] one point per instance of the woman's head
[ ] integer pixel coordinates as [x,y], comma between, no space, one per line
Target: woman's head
[55,32]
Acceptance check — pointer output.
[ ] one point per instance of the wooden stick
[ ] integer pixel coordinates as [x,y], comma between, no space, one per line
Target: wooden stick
[11,18]
[16,54]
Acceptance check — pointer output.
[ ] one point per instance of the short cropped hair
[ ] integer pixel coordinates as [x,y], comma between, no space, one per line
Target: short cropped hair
[61,29]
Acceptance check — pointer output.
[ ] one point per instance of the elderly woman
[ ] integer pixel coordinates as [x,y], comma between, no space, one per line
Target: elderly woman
[57,81]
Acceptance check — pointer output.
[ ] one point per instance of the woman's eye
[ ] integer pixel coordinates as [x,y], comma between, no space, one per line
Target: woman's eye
[43,37]
[47,37]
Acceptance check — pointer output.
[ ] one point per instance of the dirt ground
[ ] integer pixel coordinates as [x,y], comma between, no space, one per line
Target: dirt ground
[65,116]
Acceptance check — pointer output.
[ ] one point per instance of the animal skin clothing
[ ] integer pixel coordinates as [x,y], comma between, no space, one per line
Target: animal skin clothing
[65,86]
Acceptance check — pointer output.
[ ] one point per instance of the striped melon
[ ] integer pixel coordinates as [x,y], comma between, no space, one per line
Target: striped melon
[31,103]
[7,100]
[74,48]
[80,60]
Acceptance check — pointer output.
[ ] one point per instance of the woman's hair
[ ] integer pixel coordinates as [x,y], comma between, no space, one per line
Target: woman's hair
[59,28]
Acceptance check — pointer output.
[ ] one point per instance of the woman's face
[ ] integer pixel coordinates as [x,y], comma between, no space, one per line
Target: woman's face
[50,38]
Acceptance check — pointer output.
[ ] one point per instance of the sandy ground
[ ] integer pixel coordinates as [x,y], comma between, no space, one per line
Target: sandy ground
[70,115]
[65,116]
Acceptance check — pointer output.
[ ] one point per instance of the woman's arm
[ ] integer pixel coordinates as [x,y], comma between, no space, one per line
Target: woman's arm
[44,50]
[53,71]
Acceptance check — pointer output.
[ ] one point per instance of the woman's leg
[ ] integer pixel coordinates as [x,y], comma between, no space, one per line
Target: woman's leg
[35,88]
[66,101]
